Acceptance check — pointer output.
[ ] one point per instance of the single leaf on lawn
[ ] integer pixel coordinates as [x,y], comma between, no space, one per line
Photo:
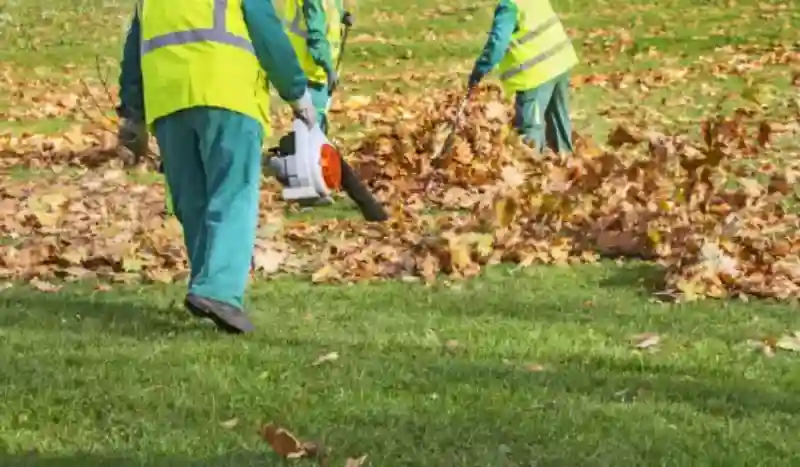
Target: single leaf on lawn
[646,340]
[328,357]
[790,342]
[356,462]
[229,424]
[287,445]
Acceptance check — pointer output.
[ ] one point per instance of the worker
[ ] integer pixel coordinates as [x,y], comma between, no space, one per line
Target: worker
[315,30]
[195,72]
[533,54]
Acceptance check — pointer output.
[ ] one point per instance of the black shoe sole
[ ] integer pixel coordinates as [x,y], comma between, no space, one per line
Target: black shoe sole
[219,322]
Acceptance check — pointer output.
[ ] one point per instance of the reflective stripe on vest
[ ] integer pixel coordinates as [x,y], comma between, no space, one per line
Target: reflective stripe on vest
[217,33]
[533,33]
[528,64]
[294,27]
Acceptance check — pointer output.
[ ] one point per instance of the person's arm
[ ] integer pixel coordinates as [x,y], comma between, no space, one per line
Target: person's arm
[505,21]
[317,40]
[131,90]
[273,49]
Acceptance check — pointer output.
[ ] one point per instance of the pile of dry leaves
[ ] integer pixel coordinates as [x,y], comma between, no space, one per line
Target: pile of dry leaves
[719,218]
[721,221]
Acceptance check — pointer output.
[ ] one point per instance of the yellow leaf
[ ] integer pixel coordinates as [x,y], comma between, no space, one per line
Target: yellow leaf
[328,357]
[505,209]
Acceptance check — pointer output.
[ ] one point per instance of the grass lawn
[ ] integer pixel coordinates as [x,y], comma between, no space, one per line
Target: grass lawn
[530,367]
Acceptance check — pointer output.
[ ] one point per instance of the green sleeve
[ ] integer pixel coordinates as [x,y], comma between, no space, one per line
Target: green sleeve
[131,89]
[273,49]
[317,40]
[505,21]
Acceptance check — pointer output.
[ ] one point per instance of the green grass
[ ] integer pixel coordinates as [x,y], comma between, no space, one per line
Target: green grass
[126,378]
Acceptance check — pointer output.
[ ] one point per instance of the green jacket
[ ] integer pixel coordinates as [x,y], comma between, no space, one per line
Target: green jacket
[317,27]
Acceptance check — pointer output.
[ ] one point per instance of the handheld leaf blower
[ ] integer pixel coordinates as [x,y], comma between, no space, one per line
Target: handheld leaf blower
[311,168]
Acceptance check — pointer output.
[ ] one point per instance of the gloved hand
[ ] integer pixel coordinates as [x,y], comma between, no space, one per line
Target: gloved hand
[347,19]
[304,109]
[133,135]
[474,79]
[333,81]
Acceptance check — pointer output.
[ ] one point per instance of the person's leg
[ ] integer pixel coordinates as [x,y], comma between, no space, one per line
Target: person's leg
[230,147]
[556,117]
[319,96]
[529,118]
[183,170]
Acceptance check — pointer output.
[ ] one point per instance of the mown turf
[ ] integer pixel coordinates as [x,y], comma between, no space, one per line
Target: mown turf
[517,368]
[126,378]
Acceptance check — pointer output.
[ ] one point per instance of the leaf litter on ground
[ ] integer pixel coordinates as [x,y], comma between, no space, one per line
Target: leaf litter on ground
[718,211]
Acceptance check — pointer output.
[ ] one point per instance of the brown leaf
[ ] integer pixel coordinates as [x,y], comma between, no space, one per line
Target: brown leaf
[285,444]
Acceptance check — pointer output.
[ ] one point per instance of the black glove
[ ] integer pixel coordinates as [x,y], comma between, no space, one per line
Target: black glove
[347,19]
[133,135]
[474,79]
[333,81]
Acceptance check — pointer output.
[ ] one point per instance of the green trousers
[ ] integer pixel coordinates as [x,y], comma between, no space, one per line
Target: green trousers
[542,115]
[212,164]
[319,96]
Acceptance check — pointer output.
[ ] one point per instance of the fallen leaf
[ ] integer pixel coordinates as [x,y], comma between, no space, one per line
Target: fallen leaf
[44,286]
[356,462]
[646,340]
[287,445]
[790,343]
[328,357]
[230,424]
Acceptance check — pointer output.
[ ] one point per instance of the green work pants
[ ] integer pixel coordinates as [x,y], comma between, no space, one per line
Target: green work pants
[542,115]
[320,97]
[212,164]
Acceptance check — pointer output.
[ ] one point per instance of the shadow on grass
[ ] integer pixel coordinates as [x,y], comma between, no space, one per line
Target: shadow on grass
[74,311]
[645,277]
[94,460]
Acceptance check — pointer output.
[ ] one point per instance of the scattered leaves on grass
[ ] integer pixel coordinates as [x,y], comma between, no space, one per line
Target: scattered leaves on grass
[718,212]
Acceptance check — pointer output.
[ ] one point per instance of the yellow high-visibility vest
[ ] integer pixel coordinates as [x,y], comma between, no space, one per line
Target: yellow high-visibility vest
[540,49]
[297,31]
[200,54]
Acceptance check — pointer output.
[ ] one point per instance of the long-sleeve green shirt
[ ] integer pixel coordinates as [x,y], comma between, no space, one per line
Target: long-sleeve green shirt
[317,26]
[505,21]
[272,47]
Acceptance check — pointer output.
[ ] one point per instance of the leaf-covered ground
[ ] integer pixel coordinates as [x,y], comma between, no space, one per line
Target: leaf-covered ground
[684,188]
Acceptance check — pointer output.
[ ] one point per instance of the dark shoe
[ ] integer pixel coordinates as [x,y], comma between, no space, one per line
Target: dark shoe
[227,317]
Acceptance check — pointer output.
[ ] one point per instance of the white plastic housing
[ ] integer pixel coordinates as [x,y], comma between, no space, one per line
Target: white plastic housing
[303,168]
